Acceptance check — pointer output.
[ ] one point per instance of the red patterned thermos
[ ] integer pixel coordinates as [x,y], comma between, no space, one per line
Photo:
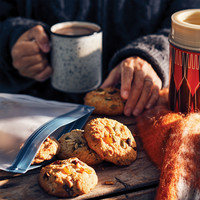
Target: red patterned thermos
[184,63]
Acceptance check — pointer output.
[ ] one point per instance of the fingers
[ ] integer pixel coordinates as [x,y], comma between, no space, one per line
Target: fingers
[25,48]
[35,67]
[145,88]
[113,78]
[154,96]
[26,61]
[131,106]
[38,34]
[29,54]
[44,74]
[38,70]
[147,96]
[121,73]
[127,69]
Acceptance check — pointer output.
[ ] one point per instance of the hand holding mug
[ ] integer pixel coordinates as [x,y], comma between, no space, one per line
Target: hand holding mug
[140,84]
[29,54]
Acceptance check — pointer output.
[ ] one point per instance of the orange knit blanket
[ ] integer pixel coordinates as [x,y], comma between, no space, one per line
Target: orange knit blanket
[172,141]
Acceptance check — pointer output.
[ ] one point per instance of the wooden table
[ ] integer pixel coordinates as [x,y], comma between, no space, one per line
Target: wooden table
[137,181]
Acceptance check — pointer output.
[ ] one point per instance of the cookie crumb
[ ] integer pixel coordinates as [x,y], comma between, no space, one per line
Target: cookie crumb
[109,183]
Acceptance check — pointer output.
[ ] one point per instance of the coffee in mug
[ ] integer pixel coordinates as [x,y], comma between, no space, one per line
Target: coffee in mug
[75,30]
[76,56]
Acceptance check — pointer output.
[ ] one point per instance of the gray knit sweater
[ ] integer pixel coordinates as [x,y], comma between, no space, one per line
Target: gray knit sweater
[130,28]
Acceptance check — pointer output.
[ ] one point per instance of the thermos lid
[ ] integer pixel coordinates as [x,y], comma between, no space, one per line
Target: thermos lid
[185,28]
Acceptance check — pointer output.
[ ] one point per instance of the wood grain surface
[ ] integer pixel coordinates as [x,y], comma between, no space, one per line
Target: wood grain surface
[137,181]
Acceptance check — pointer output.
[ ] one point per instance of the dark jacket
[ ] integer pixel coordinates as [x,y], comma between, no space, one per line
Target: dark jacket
[130,28]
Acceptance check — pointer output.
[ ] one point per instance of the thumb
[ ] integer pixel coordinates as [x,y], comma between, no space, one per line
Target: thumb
[39,35]
[112,79]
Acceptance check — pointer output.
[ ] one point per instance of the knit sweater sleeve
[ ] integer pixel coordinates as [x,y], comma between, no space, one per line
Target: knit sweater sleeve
[10,30]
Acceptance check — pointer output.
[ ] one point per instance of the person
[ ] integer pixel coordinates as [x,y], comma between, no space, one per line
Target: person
[135,45]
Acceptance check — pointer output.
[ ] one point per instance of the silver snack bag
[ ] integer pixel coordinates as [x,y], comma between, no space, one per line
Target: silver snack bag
[29,121]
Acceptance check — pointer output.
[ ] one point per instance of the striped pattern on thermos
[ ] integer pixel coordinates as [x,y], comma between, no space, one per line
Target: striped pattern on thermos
[184,91]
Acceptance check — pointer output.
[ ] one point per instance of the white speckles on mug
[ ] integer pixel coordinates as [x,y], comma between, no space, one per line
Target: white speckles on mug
[77,60]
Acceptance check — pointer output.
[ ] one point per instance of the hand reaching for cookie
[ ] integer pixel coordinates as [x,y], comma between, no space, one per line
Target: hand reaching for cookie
[140,84]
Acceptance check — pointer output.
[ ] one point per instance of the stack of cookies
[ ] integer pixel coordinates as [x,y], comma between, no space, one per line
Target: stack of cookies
[101,140]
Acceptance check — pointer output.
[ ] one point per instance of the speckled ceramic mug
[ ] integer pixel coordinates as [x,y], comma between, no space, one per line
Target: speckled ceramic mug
[76,56]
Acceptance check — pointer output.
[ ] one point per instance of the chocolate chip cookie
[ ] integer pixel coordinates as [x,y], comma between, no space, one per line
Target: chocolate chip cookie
[106,101]
[68,178]
[111,140]
[73,144]
[48,149]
